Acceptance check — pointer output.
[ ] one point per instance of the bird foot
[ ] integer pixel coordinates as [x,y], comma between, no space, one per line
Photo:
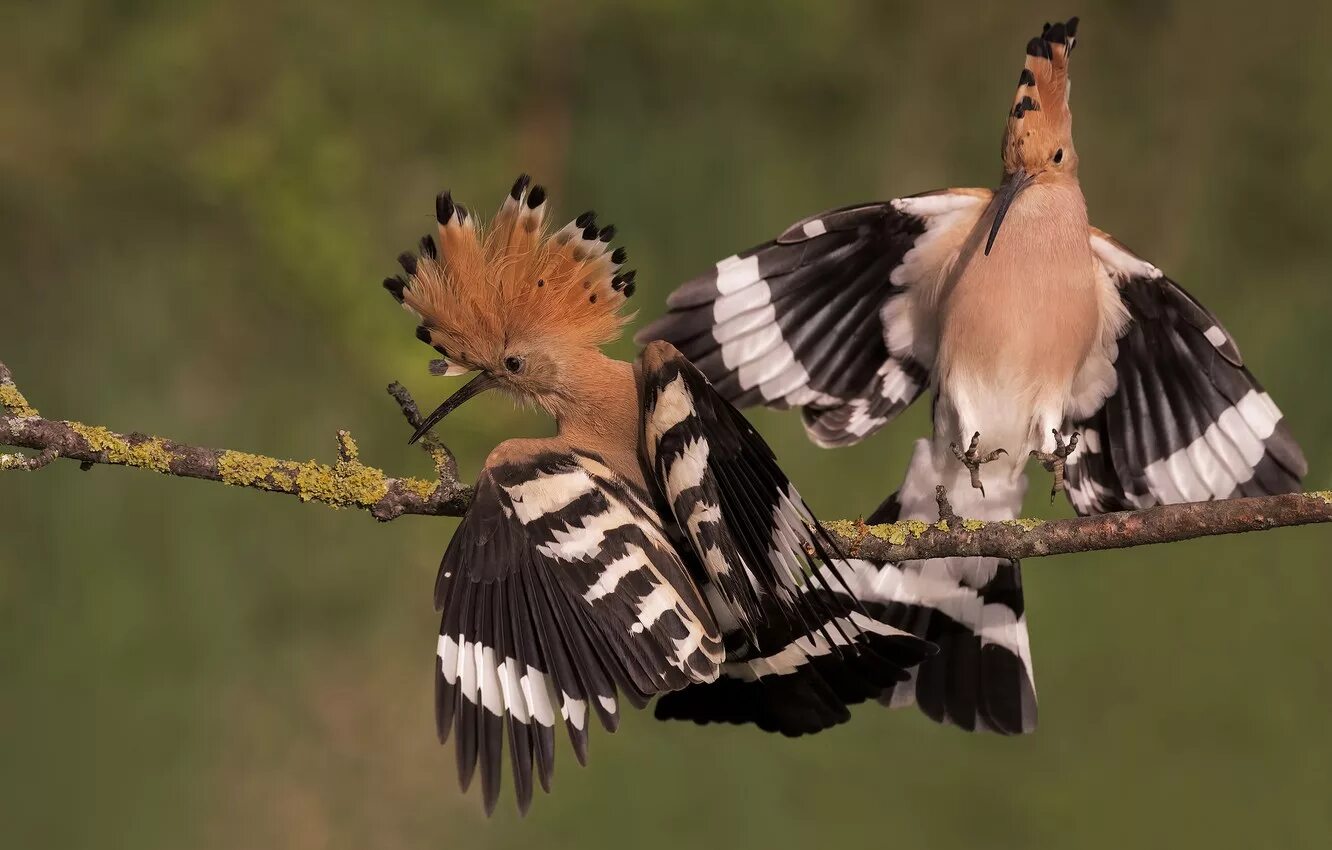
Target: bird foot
[1057,460]
[972,459]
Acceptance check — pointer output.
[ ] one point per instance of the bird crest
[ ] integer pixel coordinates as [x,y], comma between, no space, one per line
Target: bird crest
[1040,124]
[480,287]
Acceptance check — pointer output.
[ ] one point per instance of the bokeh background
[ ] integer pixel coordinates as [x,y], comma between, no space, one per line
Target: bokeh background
[197,204]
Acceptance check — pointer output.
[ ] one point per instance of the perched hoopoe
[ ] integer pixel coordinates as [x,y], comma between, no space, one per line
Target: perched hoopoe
[649,546]
[1026,322]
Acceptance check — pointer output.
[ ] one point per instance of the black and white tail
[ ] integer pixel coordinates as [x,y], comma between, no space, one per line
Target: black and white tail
[971,608]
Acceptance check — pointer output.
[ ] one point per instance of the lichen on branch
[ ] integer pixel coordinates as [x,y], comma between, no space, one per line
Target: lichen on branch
[346,483]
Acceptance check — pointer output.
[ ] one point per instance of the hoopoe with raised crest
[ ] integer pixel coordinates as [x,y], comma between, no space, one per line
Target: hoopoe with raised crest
[651,546]
[1027,323]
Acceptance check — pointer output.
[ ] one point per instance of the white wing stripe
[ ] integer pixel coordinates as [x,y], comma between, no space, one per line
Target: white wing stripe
[1224,457]
[737,275]
[548,493]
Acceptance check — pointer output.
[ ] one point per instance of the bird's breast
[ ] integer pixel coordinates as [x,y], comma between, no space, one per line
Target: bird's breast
[1021,321]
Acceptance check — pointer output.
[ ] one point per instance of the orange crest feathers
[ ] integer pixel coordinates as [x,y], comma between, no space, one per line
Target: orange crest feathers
[1039,123]
[484,287]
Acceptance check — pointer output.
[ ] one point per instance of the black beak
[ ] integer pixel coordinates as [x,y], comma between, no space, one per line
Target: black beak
[1003,199]
[476,386]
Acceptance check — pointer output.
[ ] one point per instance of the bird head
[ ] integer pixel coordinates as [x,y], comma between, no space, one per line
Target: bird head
[1038,138]
[510,302]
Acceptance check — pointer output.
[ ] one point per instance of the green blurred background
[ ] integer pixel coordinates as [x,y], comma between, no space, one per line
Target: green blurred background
[198,203]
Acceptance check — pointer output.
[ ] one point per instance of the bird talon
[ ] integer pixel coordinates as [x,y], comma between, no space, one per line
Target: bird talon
[972,459]
[1057,460]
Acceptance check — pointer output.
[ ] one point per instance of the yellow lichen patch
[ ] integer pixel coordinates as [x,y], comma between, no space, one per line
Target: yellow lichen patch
[897,533]
[152,453]
[1325,495]
[443,460]
[842,527]
[424,489]
[973,524]
[11,398]
[349,483]
[1024,524]
[942,524]
[247,470]
[13,461]
[347,448]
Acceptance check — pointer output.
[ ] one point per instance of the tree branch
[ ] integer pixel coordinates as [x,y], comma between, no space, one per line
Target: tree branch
[350,483]
[1028,538]
[347,483]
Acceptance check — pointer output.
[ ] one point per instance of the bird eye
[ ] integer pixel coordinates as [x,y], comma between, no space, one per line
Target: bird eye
[1059,156]
[513,364]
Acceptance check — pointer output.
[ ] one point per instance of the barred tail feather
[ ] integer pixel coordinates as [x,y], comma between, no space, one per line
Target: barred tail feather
[972,608]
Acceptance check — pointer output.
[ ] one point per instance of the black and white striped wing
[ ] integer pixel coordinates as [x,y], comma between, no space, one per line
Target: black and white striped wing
[818,318]
[1187,421]
[808,650]
[744,519]
[558,590]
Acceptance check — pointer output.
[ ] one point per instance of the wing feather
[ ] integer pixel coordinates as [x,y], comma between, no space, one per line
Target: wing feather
[559,593]
[1187,421]
[800,648]
[801,321]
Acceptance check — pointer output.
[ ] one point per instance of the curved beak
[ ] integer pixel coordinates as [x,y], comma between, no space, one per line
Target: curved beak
[1003,199]
[474,387]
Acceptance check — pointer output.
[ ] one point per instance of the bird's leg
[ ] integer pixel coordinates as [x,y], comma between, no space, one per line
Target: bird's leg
[1057,460]
[972,460]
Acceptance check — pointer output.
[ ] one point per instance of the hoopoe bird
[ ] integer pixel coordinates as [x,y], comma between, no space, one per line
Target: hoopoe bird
[652,546]
[1026,322]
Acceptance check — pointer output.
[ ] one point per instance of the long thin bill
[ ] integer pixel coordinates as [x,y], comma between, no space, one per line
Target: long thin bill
[1004,198]
[474,387]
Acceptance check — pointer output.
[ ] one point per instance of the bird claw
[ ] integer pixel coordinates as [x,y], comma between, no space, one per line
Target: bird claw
[972,459]
[1057,460]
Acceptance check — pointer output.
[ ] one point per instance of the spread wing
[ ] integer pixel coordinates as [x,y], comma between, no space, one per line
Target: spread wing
[804,637]
[558,589]
[821,317]
[1187,421]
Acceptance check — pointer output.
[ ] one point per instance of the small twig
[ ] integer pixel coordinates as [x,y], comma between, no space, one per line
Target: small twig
[348,452]
[446,465]
[946,514]
[18,461]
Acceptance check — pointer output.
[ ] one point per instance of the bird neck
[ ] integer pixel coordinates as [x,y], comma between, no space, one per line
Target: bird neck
[597,410]
[1051,208]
